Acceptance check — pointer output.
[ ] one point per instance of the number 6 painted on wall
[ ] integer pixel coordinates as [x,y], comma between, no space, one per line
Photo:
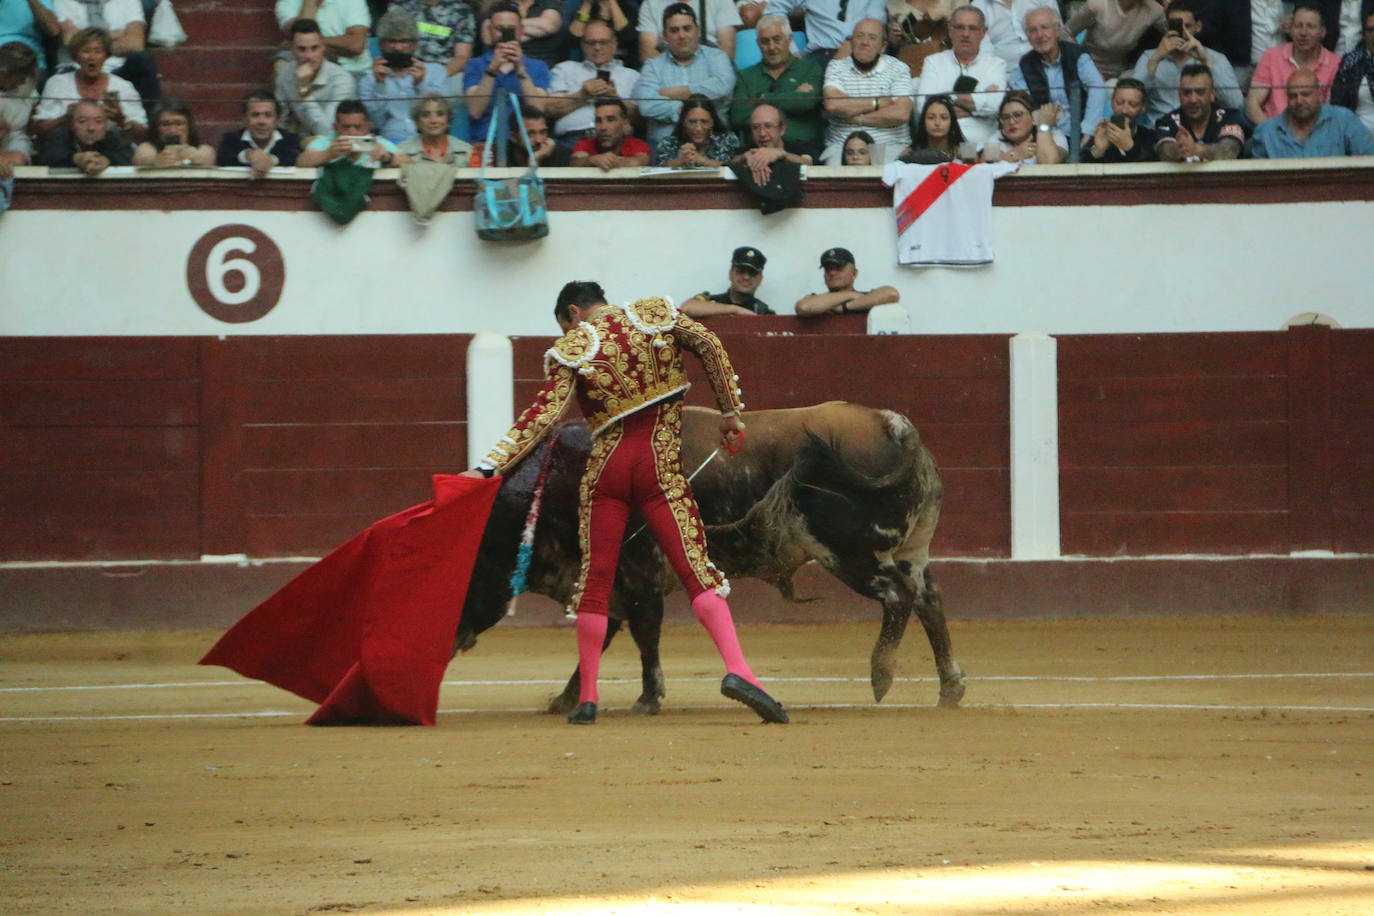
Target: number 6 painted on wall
[235,273]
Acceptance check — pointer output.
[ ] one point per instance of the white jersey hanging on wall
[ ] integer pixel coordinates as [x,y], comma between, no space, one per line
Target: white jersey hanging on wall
[944,212]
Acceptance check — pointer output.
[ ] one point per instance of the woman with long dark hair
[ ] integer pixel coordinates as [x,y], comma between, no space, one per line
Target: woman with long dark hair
[700,139]
[938,129]
[173,139]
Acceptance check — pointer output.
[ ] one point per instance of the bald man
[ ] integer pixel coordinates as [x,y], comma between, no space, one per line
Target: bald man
[1308,128]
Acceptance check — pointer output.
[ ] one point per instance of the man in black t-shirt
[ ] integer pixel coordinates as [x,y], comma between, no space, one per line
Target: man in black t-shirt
[746,273]
[1199,130]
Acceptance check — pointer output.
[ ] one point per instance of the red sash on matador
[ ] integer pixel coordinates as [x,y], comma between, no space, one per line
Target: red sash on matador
[367,632]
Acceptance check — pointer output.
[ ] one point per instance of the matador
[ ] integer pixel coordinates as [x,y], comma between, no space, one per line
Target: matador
[624,366]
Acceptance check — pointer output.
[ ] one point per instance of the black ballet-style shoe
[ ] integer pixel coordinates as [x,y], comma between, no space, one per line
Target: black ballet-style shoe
[584,714]
[769,709]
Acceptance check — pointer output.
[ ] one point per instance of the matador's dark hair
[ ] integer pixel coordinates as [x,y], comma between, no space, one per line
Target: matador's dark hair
[581,293]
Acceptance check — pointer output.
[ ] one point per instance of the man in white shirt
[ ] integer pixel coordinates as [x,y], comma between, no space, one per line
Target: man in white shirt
[576,84]
[718,20]
[1006,29]
[972,75]
[869,91]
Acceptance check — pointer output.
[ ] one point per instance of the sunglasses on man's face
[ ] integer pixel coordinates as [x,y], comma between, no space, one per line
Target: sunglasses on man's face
[747,271]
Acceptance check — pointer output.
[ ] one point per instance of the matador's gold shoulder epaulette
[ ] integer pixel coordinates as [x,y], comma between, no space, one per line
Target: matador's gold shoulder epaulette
[652,316]
[576,348]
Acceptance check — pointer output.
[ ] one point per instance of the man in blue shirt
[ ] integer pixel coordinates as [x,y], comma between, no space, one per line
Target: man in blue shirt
[670,79]
[505,66]
[1041,72]
[1307,128]
[829,22]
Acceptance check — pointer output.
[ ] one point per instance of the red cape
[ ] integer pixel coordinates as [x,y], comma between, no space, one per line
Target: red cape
[367,632]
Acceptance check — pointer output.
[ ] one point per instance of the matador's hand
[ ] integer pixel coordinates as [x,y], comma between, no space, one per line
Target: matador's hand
[472,472]
[732,433]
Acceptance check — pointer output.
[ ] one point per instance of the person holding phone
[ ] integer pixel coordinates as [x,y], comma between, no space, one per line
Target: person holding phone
[504,66]
[576,84]
[174,141]
[398,77]
[1180,46]
[353,140]
[1122,137]
[90,48]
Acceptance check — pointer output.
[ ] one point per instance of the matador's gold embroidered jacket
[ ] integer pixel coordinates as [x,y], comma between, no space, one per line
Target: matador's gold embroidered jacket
[625,358]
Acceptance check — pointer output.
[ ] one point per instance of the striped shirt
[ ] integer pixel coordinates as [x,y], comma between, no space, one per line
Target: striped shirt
[889,77]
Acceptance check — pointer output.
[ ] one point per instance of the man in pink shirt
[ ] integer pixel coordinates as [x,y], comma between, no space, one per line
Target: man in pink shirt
[1268,96]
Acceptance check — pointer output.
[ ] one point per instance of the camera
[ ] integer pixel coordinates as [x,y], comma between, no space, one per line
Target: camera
[507,33]
[399,60]
[362,144]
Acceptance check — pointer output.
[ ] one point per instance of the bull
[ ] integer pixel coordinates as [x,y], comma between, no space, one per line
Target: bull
[848,486]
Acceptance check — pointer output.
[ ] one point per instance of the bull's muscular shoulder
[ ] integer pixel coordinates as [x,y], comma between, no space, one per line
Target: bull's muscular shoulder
[576,348]
[652,316]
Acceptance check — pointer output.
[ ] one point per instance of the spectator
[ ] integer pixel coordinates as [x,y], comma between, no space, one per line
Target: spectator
[869,90]
[1354,85]
[448,30]
[790,83]
[937,130]
[840,295]
[352,139]
[1113,28]
[1242,32]
[746,274]
[613,147]
[1005,27]
[687,69]
[1199,130]
[90,80]
[699,140]
[1308,128]
[313,88]
[1053,67]
[1178,48]
[342,25]
[857,149]
[575,84]
[1343,20]
[15,150]
[174,139]
[541,32]
[262,145]
[767,130]
[398,77]
[610,13]
[1267,96]
[86,142]
[1124,137]
[717,20]
[505,66]
[969,74]
[18,85]
[827,23]
[28,23]
[547,153]
[128,57]
[432,142]
[1028,134]
[917,29]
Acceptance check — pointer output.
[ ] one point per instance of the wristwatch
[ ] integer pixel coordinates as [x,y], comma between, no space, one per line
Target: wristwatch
[1044,128]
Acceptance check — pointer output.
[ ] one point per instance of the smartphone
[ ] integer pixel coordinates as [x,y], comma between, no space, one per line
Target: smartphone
[1119,120]
[965,83]
[362,144]
[604,75]
[399,60]
[507,33]
[1177,27]
[112,98]
[172,140]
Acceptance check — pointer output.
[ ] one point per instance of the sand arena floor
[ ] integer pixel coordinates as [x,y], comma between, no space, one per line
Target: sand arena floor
[1157,766]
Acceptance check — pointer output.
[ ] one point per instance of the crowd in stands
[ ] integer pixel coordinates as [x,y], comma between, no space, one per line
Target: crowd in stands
[711,83]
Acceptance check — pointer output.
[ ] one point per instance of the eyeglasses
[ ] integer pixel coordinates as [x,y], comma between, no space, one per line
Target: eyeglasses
[1013,116]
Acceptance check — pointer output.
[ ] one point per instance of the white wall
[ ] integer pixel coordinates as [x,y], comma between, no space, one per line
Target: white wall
[1059,269]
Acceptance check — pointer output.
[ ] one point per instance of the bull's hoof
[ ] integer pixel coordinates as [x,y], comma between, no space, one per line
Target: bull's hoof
[882,683]
[646,706]
[561,705]
[952,692]
[584,714]
[756,698]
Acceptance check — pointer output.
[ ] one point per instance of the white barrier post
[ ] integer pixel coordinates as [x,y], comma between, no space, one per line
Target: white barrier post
[491,392]
[1034,447]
